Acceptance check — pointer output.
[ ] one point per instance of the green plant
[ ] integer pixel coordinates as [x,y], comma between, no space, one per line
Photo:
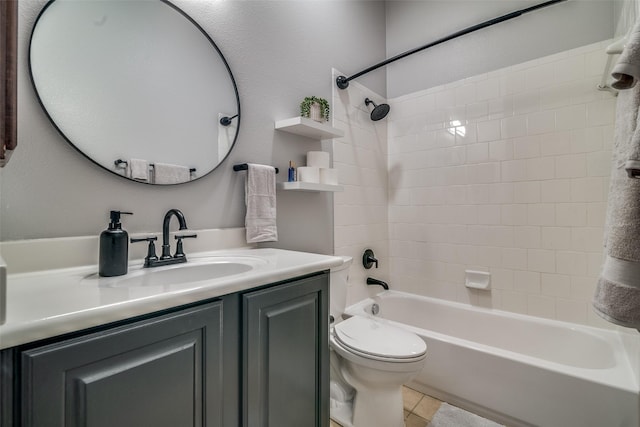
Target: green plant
[305,106]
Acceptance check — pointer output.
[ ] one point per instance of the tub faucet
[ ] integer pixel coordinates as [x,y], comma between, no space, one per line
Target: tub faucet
[372,281]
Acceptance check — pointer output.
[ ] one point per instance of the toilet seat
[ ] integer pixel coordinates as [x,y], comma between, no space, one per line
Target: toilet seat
[373,339]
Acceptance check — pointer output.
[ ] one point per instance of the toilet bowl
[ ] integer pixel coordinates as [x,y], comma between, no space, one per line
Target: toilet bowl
[370,361]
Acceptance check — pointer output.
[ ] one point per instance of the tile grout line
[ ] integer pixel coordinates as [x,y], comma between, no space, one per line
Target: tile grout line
[413,416]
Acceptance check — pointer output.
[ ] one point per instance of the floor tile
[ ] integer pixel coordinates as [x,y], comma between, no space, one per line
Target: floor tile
[334,424]
[414,420]
[427,407]
[410,398]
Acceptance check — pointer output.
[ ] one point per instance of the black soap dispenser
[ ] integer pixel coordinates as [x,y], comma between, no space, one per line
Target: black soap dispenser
[114,248]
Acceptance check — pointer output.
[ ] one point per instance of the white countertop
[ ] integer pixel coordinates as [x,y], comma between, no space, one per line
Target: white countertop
[45,304]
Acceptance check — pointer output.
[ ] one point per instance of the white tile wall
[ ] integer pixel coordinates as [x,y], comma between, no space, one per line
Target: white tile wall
[505,172]
[361,212]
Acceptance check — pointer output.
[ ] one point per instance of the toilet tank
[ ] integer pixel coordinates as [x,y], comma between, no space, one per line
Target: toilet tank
[338,280]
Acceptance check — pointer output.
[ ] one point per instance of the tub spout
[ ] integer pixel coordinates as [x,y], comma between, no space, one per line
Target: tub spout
[372,281]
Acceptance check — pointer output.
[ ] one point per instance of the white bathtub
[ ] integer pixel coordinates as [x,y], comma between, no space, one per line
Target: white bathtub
[518,370]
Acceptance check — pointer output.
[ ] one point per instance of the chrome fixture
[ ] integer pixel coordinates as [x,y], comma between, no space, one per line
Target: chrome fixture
[375,309]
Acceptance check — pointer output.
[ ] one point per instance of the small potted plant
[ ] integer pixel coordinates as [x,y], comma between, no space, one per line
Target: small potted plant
[315,108]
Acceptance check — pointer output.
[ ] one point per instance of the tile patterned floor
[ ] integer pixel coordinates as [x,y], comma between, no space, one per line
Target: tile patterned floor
[418,408]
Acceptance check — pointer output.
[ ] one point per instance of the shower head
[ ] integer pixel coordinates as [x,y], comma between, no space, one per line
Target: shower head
[379,112]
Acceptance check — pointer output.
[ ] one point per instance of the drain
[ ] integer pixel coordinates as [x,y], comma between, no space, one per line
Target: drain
[375,309]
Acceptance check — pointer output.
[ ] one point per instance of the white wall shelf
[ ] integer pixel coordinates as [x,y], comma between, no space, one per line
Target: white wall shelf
[308,186]
[309,128]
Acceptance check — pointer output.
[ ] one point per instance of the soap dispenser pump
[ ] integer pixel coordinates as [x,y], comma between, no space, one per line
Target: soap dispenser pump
[114,248]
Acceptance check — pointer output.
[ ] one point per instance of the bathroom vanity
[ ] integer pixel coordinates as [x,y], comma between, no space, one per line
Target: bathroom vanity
[249,349]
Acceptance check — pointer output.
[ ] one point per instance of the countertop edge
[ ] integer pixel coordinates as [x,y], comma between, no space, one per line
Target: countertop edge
[19,333]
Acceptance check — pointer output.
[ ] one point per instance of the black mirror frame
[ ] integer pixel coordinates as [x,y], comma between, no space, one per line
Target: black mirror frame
[204,33]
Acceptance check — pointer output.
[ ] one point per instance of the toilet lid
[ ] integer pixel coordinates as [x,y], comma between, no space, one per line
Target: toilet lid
[373,337]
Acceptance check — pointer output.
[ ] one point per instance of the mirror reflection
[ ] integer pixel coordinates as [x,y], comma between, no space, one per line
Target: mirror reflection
[136,86]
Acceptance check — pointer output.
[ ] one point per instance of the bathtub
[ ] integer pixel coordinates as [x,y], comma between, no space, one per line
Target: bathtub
[515,369]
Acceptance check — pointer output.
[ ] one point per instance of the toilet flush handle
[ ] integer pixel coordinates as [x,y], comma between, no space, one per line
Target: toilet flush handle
[368,259]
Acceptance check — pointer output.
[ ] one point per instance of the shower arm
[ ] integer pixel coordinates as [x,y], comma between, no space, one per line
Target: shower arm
[343,82]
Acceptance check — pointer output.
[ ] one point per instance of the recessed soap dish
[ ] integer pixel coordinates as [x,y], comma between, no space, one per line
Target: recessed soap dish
[477,279]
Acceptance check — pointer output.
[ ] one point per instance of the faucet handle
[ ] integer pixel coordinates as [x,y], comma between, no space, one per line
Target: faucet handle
[179,249]
[151,250]
[186,236]
[369,259]
[143,239]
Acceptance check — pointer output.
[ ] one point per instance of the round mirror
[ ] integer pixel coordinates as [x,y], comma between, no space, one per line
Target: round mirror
[136,86]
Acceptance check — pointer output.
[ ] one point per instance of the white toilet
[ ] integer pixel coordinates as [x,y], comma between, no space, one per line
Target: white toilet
[370,361]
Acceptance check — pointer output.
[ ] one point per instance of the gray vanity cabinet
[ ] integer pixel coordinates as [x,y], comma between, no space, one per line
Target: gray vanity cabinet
[162,372]
[258,358]
[286,355]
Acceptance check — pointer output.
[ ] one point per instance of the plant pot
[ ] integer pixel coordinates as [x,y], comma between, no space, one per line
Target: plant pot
[315,113]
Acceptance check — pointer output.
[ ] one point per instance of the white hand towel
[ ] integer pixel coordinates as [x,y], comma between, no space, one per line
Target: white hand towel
[139,169]
[626,72]
[165,173]
[260,198]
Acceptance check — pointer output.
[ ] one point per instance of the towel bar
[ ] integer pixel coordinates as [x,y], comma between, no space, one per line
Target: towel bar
[244,167]
[123,163]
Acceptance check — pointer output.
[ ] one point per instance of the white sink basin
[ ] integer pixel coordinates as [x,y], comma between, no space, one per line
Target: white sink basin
[197,270]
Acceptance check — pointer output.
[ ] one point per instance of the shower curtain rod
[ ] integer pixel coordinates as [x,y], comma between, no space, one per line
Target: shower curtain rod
[343,82]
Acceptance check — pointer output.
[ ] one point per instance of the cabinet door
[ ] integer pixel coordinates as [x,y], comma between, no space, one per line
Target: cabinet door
[162,372]
[286,355]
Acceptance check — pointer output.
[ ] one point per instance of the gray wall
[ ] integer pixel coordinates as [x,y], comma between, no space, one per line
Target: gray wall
[411,24]
[279,51]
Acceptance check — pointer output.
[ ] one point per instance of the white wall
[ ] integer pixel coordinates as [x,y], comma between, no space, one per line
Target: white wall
[411,24]
[521,194]
[279,51]
[360,212]
[505,172]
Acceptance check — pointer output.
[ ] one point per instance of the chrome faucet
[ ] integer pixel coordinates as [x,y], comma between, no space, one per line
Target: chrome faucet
[166,258]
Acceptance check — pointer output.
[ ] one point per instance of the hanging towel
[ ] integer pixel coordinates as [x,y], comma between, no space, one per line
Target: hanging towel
[5,159]
[617,295]
[260,198]
[626,72]
[165,173]
[139,169]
